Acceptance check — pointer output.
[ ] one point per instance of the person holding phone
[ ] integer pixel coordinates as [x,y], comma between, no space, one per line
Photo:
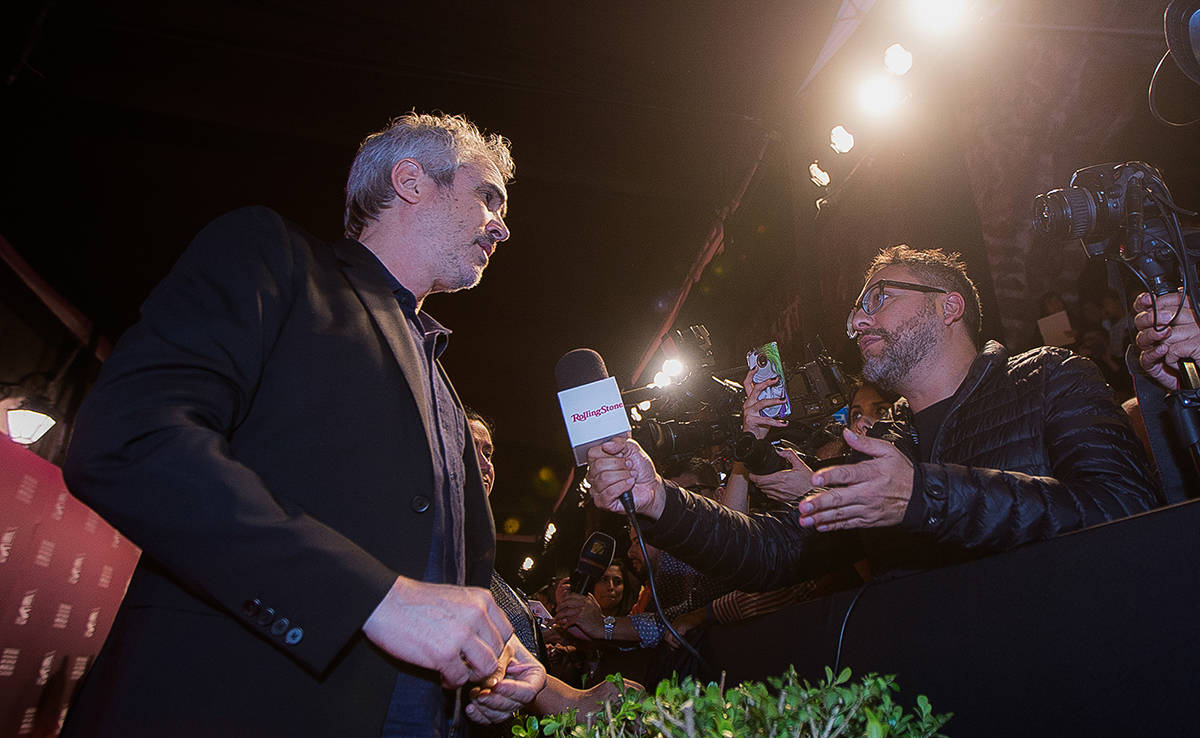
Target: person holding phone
[996,451]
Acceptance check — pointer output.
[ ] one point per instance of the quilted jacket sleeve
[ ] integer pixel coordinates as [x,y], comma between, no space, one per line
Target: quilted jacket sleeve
[1098,472]
[754,553]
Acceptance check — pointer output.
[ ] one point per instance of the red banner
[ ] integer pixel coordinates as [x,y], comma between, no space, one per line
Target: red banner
[63,572]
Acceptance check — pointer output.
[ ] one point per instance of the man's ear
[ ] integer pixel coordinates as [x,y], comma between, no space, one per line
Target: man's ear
[408,180]
[953,308]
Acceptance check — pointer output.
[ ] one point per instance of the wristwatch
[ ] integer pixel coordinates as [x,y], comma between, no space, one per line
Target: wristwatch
[609,622]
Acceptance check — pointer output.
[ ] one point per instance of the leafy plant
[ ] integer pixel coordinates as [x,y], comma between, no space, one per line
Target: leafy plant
[784,706]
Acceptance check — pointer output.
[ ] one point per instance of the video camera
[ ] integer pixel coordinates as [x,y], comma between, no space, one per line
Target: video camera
[1123,213]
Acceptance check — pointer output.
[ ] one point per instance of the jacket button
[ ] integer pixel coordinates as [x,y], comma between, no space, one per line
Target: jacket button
[280,626]
[251,608]
[266,616]
[420,503]
[293,636]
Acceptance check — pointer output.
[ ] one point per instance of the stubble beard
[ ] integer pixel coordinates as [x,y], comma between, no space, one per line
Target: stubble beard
[465,267]
[903,350]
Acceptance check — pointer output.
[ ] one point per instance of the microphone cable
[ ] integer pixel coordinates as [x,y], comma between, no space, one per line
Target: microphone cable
[637,529]
[837,659]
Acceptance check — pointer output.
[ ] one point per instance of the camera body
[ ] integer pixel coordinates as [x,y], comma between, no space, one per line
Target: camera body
[1122,213]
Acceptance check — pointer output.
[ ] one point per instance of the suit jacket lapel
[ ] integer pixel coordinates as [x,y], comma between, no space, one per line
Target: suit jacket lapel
[362,270]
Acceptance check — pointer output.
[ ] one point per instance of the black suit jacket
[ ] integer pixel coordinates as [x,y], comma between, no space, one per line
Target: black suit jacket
[257,434]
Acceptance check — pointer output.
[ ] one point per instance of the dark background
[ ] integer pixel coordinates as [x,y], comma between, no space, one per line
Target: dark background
[126,126]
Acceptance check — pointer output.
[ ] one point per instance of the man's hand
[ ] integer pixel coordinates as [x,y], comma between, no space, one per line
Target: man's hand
[516,682]
[580,614]
[683,624]
[1161,350]
[618,466]
[788,485]
[753,420]
[457,631]
[869,494]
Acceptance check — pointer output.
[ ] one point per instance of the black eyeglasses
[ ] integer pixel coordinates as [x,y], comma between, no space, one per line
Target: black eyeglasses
[873,297]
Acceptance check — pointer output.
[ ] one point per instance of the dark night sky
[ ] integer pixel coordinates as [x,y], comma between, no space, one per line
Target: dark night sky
[135,122]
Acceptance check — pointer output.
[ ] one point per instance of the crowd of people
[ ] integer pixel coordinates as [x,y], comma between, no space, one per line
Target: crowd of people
[299,582]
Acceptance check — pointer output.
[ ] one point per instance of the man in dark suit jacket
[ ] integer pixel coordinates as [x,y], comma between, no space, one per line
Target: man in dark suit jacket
[278,436]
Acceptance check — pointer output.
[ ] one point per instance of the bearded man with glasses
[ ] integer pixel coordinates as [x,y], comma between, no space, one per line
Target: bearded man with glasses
[991,451]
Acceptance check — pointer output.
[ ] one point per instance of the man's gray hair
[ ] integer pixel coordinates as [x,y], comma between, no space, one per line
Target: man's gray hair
[439,143]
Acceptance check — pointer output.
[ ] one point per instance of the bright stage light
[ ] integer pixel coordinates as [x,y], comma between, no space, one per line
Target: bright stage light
[879,95]
[644,405]
[527,564]
[819,176]
[673,367]
[633,413]
[662,379]
[897,59]
[551,529]
[940,16]
[841,140]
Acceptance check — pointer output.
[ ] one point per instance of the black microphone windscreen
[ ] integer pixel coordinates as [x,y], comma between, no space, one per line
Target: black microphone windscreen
[595,556]
[579,367]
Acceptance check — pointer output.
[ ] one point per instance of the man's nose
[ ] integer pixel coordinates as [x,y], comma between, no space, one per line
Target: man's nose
[497,229]
[860,319]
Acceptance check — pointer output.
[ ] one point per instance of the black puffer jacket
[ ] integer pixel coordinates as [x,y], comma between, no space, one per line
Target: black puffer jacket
[1032,446]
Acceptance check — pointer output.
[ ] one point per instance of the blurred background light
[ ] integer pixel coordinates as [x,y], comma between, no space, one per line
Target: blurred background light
[841,140]
[941,17]
[879,95]
[819,176]
[897,59]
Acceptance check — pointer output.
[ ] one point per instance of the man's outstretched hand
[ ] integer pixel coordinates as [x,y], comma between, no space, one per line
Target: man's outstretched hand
[868,494]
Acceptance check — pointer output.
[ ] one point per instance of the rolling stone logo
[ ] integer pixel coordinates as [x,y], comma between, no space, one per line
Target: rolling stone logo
[603,409]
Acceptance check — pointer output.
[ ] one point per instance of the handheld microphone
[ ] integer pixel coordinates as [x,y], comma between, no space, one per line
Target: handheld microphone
[594,558]
[591,404]
[588,396]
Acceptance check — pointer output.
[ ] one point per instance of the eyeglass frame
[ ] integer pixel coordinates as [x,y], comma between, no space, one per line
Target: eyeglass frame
[882,285]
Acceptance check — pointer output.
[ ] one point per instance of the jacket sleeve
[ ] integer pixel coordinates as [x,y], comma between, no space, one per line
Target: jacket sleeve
[1099,472]
[753,553]
[152,454]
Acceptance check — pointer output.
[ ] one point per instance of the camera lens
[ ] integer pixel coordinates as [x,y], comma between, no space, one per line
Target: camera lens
[758,455]
[1064,214]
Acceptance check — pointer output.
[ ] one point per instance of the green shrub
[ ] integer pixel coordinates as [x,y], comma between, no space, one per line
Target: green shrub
[785,706]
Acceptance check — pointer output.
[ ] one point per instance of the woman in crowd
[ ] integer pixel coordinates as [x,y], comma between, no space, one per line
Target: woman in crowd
[617,590]
[556,696]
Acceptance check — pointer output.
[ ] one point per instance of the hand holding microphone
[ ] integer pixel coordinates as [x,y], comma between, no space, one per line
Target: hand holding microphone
[618,466]
[599,431]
